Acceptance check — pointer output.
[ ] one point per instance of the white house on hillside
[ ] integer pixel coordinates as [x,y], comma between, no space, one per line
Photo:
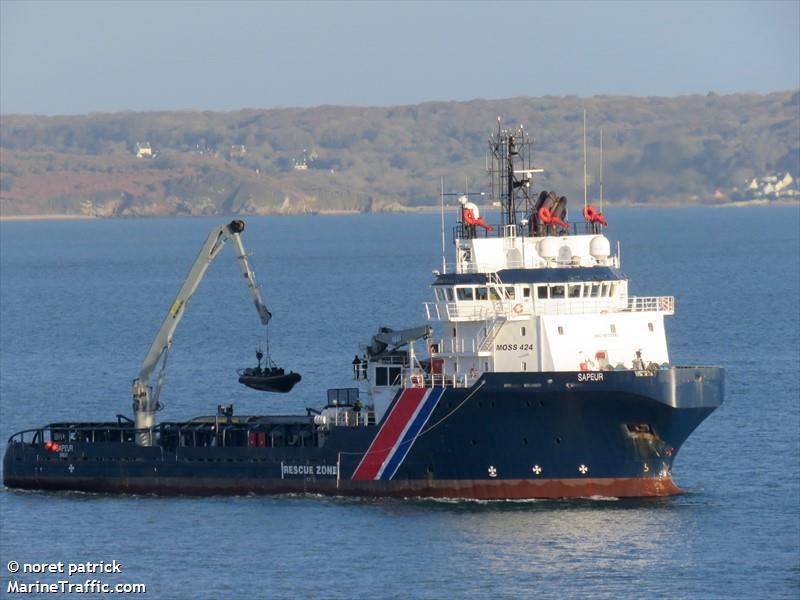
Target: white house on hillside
[143,150]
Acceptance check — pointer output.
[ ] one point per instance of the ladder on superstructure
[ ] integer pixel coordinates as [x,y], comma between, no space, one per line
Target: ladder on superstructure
[499,313]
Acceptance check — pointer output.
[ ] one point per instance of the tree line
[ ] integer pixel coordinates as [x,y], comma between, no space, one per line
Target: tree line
[686,149]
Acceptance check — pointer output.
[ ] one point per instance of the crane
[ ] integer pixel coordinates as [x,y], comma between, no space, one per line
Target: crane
[146,397]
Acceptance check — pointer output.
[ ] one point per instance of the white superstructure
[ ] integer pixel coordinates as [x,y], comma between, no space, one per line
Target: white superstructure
[536,293]
[548,303]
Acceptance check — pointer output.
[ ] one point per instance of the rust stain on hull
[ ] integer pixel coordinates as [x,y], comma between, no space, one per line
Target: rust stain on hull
[515,489]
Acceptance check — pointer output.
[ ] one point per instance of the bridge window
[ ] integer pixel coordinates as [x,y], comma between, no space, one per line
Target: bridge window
[574,290]
[449,292]
[439,295]
[613,290]
[526,292]
[385,376]
[541,292]
[557,292]
[494,294]
[481,293]
[605,290]
[510,292]
[464,293]
[595,290]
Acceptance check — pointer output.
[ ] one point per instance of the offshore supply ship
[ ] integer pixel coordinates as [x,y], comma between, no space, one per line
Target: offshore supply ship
[539,375]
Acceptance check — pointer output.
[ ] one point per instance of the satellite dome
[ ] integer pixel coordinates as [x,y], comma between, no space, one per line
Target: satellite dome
[548,248]
[600,247]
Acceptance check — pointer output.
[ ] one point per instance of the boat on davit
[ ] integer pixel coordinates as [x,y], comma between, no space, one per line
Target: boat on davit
[537,374]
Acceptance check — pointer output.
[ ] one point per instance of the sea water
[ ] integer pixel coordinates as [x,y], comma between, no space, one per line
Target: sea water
[81,301]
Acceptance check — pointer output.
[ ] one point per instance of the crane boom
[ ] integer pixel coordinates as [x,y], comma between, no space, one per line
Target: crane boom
[145,398]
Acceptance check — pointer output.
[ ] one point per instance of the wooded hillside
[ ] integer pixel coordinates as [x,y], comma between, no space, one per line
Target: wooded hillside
[656,150]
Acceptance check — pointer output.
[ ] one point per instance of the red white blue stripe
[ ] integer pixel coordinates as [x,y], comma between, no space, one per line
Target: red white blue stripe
[400,429]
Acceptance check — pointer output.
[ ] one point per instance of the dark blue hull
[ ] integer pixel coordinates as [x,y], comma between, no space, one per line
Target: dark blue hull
[511,435]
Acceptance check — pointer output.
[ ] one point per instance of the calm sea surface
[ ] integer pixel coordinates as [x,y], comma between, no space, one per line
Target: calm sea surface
[81,301]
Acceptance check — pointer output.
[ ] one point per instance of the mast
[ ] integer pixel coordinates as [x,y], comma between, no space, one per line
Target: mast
[511,208]
[444,263]
[511,171]
[601,169]
[585,191]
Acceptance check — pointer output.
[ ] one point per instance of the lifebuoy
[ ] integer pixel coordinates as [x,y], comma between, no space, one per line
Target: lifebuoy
[473,372]
[545,216]
[518,308]
[591,214]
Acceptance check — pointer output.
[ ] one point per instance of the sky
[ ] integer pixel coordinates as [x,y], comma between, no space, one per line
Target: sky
[79,57]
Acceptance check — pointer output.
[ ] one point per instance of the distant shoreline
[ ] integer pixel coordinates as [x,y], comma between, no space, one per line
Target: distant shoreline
[51,217]
[409,210]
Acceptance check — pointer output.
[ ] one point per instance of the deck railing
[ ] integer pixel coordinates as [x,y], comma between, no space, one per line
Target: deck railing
[462,230]
[422,379]
[665,304]
[463,311]
[474,311]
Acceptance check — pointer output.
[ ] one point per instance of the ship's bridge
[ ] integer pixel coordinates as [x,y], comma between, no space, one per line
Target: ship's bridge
[517,293]
[557,318]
